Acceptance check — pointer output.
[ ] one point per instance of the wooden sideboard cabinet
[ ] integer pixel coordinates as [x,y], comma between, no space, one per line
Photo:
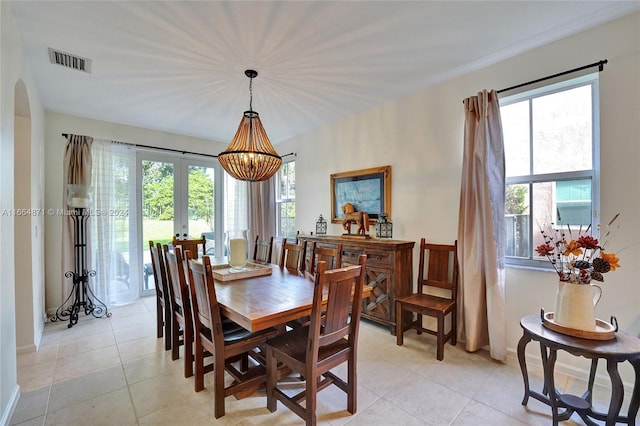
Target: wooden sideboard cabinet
[389,271]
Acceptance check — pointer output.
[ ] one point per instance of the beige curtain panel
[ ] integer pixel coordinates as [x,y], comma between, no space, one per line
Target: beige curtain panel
[481,312]
[77,171]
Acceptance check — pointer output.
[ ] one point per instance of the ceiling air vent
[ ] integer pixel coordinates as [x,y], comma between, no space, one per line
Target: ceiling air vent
[70,61]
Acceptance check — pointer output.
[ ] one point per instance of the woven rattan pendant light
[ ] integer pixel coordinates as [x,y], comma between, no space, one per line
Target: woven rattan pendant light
[250,155]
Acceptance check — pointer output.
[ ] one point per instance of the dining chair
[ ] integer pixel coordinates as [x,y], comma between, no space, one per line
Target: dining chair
[436,297]
[292,256]
[196,245]
[329,340]
[182,320]
[262,250]
[163,302]
[226,341]
[331,255]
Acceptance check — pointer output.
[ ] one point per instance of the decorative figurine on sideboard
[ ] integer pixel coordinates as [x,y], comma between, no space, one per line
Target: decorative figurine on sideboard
[359,218]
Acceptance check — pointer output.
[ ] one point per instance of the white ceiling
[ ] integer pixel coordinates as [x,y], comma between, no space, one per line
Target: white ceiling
[179,66]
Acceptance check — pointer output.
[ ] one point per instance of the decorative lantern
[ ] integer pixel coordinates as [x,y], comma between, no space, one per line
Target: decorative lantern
[384,227]
[321,226]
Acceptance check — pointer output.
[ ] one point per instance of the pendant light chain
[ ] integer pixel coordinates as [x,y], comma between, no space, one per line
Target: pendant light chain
[250,139]
[250,93]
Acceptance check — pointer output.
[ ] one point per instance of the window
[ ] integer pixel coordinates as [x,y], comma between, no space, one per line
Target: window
[286,200]
[551,163]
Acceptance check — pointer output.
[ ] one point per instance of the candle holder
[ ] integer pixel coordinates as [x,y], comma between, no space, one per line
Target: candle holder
[78,196]
[237,243]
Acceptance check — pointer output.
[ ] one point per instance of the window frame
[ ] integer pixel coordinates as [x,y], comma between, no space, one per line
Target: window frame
[280,200]
[591,79]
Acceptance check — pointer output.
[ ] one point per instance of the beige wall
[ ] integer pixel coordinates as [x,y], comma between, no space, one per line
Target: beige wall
[420,136]
[56,124]
[22,252]
[12,71]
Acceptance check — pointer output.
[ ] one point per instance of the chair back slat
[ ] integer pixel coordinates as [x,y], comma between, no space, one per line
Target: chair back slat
[341,317]
[292,256]
[332,256]
[159,271]
[262,250]
[176,266]
[173,274]
[200,292]
[442,267]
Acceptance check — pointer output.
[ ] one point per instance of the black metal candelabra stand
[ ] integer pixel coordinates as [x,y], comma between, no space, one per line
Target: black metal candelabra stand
[81,295]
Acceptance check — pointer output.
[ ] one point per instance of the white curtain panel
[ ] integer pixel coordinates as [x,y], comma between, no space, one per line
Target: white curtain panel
[236,211]
[481,312]
[115,256]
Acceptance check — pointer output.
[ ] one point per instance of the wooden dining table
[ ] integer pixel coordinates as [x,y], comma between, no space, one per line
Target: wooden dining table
[257,303]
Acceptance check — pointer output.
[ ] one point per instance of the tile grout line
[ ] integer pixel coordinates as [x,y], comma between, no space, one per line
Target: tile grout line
[46,408]
[124,374]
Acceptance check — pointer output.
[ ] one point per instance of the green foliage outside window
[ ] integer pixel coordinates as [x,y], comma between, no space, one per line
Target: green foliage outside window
[515,199]
[157,197]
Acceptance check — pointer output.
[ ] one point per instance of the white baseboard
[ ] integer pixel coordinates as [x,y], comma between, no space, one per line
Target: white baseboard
[11,407]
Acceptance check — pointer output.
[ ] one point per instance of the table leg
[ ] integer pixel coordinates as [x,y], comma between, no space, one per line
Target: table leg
[523,365]
[549,366]
[617,392]
[544,358]
[588,395]
[635,396]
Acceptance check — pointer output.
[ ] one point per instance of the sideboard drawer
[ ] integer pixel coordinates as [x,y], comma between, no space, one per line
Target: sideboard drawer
[350,257]
[379,258]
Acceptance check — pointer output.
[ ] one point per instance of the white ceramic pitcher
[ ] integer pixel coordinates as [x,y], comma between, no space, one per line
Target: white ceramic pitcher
[575,305]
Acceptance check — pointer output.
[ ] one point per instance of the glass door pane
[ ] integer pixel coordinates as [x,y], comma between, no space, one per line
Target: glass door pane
[201,205]
[157,189]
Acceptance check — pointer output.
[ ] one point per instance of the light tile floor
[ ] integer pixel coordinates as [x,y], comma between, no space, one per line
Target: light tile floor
[113,371]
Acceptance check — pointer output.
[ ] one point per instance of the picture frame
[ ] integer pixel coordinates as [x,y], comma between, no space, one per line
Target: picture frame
[369,190]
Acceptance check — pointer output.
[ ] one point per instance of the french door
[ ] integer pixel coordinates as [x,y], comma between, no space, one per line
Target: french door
[178,196]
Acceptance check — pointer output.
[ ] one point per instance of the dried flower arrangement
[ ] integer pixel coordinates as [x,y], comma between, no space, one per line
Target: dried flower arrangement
[578,258]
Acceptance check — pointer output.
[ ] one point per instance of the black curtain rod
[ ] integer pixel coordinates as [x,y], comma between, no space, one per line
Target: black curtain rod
[177,150]
[599,64]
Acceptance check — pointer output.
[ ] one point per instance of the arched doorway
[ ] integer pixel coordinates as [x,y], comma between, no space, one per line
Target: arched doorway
[23,223]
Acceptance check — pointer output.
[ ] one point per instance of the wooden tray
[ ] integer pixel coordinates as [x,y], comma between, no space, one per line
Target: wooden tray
[219,263]
[603,331]
[250,270]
